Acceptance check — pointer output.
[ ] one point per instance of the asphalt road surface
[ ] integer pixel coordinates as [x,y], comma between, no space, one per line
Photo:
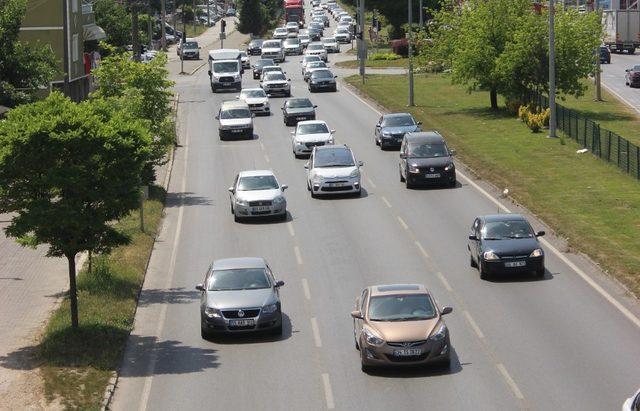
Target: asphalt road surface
[613,78]
[560,343]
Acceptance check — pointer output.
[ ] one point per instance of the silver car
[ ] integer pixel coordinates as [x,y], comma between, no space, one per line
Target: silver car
[236,120]
[311,67]
[276,83]
[333,169]
[257,193]
[317,49]
[331,44]
[310,134]
[239,295]
[256,99]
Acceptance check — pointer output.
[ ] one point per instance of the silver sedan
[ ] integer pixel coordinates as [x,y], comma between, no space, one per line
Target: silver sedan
[257,193]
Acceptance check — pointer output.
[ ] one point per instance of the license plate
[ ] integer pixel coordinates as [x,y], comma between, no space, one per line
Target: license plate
[238,130]
[336,184]
[434,175]
[515,264]
[407,352]
[261,208]
[240,323]
[300,118]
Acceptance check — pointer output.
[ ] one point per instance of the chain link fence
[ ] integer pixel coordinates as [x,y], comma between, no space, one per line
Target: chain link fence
[601,142]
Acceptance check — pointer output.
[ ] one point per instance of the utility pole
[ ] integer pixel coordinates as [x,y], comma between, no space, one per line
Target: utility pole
[552,72]
[135,32]
[421,13]
[183,39]
[362,47]
[65,34]
[598,74]
[208,15]
[195,15]
[163,21]
[149,26]
[411,101]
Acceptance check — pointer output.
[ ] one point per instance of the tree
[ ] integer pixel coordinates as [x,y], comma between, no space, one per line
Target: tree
[115,20]
[253,18]
[68,171]
[24,68]
[396,12]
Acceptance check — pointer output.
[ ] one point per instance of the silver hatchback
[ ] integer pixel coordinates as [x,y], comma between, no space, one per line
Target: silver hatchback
[257,193]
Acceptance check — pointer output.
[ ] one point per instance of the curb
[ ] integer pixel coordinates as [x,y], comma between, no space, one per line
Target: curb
[113,381]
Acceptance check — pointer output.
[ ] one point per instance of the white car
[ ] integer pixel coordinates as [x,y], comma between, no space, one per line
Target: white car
[268,69]
[317,49]
[304,40]
[235,120]
[257,193]
[331,44]
[311,67]
[342,35]
[292,27]
[309,134]
[292,46]
[244,57]
[308,59]
[333,169]
[280,33]
[276,83]
[256,99]
[632,403]
[272,49]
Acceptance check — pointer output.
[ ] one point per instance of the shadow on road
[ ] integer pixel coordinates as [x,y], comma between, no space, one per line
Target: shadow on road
[422,371]
[258,337]
[178,295]
[186,199]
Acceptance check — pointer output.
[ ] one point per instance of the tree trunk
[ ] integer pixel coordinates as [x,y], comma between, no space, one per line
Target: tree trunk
[73,291]
[135,39]
[493,95]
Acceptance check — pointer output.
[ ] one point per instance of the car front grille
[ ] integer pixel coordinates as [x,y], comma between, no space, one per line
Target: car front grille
[407,344]
[335,189]
[513,257]
[259,203]
[432,169]
[276,85]
[408,358]
[256,105]
[249,313]
[314,144]
[226,79]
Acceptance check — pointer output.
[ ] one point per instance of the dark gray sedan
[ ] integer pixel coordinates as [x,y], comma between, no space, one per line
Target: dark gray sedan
[298,109]
[322,80]
[391,128]
[239,295]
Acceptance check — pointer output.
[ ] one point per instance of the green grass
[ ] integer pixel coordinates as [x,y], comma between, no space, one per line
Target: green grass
[374,63]
[77,364]
[584,199]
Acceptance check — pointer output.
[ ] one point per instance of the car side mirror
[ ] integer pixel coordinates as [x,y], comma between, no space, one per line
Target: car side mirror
[540,233]
[284,187]
[333,131]
[360,163]
[473,237]
[292,132]
[627,70]
[446,310]
[199,287]
[199,48]
[210,73]
[288,79]
[237,96]
[217,117]
[356,315]
[419,123]
[231,189]
[315,106]
[335,76]
[306,166]
[279,284]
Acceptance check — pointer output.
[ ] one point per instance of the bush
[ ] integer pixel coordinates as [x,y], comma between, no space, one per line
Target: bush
[523,112]
[384,56]
[513,106]
[534,121]
[545,117]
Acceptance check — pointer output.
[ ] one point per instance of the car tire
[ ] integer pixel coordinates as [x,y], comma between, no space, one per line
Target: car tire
[358,193]
[484,275]
[277,332]
[445,364]
[286,122]
[222,137]
[364,367]
[236,218]
[288,94]
[313,195]
[472,262]
[408,184]
[206,335]
[375,140]
[231,207]
[335,88]
[540,273]
[452,184]
[401,177]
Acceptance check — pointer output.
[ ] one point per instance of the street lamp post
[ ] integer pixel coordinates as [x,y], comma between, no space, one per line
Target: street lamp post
[183,39]
[163,21]
[411,101]
[362,49]
[421,13]
[552,72]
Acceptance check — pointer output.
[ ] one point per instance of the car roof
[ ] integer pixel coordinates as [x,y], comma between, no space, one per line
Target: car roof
[392,115]
[395,289]
[332,147]
[233,104]
[503,217]
[425,137]
[311,122]
[251,89]
[272,67]
[253,173]
[240,262]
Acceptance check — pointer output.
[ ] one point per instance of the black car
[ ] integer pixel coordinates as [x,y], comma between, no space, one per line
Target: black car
[632,76]
[505,243]
[298,109]
[314,34]
[322,80]
[255,47]
[425,159]
[605,55]
[391,129]
[259,64]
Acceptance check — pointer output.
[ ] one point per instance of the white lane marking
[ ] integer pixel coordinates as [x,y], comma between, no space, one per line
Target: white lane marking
[316,332]
[290,228]
[266,158]
[384,200]
[512,384]
[328,393]
[635,320]
[473,325]
[262,146]
[370,182]
[444,281]
[146,391]
[615,93]
[422,250]
[402,223]
[305,287]
[296,251]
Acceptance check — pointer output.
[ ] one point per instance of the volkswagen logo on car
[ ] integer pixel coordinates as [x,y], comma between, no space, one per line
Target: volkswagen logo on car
[240,313]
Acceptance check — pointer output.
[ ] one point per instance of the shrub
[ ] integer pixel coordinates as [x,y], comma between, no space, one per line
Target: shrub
[523,112]
[534,121]
[384,56]
[513,106]
[545,117]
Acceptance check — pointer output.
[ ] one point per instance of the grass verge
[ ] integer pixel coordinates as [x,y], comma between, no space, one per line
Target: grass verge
[589,202]
[77,364]
[400,63]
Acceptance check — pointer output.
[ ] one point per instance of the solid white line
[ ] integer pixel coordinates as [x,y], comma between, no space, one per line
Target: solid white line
[615,93]
[422,250]
[384,199]
[296,251]
[473,325]
[328,394]
[305,287]
[266,158]
[371,183]
[444,281]
[512,384]
[290,228]
[316,332]
[402,223]
[635,320]
[262,145]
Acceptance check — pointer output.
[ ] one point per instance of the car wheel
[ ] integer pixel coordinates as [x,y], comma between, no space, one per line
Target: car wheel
[401,177]
[472,262]
[407,183]
[231,206]
[484,275]
[286,122]
[364,367]
[335,88]
[222,137]
[204,334]
[453,183]
[313,195]
[358,193]
[375,140]
[278,330]
[236,218]
[540,273]
[445,363]
[288,94]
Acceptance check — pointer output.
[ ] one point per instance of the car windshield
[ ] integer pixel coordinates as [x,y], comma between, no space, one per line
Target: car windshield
[264,63]
[256,93]
[499,230]
[398,121]
[225,67]
[256,43]
[317,64]
[281,30]
[314,128]
[275,76]
[412,307]
[427,150]
[234,113]
[309,59]
[253,183]
[299,103]
[190,45]
[316,47]
[303,37]
[635,68]
[322,74]
[342,30]
[271,45]
[243,54]
[338,157]
[238,279]
[292,42]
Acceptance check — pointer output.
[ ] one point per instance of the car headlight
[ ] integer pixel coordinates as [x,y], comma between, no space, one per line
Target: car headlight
[413,168]
[371,338]
[490,255]
[449,166]
[318,177]
[330,140]
[278,200]
[237,77]
[537,253]
[439,333]
[386,134]
[269,309]
[355,173]
[212,312]
[242,202]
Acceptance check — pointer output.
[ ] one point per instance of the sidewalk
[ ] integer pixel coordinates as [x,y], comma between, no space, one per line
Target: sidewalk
[206,39]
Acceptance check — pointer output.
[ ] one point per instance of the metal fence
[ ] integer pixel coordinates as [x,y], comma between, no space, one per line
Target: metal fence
[601,142]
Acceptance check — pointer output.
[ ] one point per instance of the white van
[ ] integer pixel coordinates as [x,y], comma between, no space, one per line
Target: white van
[225,69]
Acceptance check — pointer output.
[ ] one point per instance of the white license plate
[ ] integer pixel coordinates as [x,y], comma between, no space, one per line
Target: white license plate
[300,118]
[434,175]
[240,323]
[261,208]
[407,352]
[515,264]
[336,184]
[237,130]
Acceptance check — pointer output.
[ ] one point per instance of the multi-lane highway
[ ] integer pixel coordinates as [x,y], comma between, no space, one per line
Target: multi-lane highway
[613,79]
[568,342]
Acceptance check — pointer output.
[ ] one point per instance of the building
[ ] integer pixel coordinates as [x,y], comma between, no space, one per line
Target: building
[43,23]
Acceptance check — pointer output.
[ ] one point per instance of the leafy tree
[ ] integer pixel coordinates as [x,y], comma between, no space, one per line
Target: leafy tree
[144,88]
[396,12]
[114,18]
[253,17]
[24,68]
[68,171]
